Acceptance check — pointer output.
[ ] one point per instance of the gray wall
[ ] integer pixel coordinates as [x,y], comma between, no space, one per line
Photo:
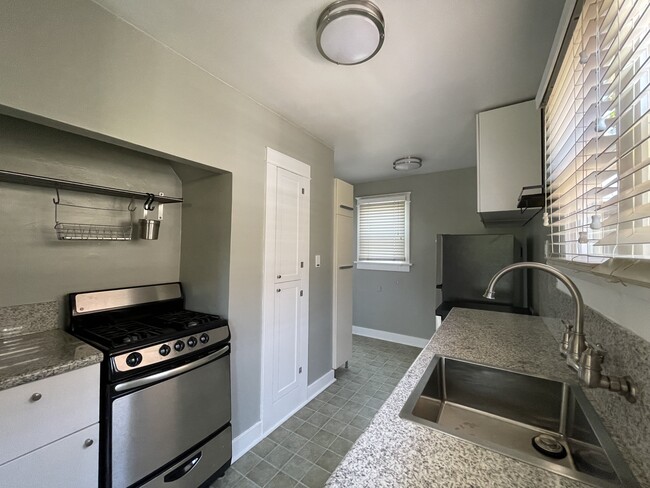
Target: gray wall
[35,266]
[71,63]
[441,203]
[205,249]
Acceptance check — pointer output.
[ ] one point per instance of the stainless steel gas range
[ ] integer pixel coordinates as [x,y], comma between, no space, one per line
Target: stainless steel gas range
[165,406]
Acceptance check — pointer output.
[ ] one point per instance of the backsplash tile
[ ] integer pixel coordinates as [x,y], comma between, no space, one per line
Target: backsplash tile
[627,355]
[26,319]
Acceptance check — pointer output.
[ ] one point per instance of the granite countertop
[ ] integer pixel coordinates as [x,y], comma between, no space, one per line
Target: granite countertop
[31,357]
[394,452]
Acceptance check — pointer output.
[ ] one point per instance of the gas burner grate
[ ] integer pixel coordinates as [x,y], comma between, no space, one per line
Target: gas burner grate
[188,319]
[125,333]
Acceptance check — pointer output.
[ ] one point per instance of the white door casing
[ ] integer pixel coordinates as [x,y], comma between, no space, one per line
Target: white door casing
[285,325]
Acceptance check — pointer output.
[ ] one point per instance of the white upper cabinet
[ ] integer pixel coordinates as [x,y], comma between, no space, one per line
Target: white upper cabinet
[509,157]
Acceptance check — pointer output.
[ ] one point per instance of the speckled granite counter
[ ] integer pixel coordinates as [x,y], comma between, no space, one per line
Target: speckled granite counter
[394,452]
[32,357]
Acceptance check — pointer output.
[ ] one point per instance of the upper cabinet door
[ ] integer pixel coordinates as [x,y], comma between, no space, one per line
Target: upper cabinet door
[291,193]
[509,155]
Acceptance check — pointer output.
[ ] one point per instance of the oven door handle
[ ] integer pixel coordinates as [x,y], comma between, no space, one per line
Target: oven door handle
[163,375]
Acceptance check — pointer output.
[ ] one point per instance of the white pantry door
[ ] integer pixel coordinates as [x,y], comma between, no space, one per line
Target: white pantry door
[286,280]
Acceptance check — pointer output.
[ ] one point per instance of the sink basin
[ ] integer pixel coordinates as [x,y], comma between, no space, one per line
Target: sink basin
[546,423]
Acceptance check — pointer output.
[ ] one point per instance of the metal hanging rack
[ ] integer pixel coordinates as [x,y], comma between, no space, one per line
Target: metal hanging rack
[77,231]
[47,182]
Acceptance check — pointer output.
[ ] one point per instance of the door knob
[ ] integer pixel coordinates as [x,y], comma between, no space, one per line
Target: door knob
[36,397]
[279,276]
[88,442]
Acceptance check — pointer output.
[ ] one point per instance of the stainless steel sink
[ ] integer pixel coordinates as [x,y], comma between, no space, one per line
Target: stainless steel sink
[505,411]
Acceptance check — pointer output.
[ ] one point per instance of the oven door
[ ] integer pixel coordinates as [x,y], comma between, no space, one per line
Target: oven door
[161,416]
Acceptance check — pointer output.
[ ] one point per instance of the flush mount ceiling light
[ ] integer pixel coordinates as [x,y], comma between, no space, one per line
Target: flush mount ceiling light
[406,164]
[350,31]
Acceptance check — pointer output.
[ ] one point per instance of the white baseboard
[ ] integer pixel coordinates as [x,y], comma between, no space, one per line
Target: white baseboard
[245,441]
[317,387]
[390,336]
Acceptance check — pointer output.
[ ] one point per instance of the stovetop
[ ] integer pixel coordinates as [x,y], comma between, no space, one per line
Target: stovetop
[126,334]
[145,326]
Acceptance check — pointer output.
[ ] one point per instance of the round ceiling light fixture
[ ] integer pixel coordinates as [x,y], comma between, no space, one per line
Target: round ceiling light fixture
[350,31]
[407,164]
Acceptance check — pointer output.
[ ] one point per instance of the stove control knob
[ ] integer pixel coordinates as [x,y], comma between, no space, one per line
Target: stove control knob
[164,350]
[204,338]
[191,341]
[133,359]
[179,346]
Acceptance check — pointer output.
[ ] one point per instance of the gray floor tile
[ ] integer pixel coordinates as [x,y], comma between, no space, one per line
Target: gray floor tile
[323,438]
[329,461]
[264,447]
[360,422]
[328,409]
[293,423]
[316,477]
[307,430]
[281,480]
[304,413]
[279,456]
[337,401]
[279,434]
[344,416]
[318,419]
[311,451]
[294,442]
[262,473]
[231,477]
[340,446]
[247,462]
[246,483]
[297,467]
[334,426]
[350,433]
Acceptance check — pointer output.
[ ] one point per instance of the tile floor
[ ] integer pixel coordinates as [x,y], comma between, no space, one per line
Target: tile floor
[306,449]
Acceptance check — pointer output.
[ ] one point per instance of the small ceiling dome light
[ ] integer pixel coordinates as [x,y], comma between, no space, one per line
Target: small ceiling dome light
[406,164]
[350,31]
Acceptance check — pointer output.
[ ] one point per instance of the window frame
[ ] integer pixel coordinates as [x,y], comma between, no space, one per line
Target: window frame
[384,265]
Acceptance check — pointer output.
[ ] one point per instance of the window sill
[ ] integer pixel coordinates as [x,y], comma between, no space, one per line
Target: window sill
[623,270]
[384,266]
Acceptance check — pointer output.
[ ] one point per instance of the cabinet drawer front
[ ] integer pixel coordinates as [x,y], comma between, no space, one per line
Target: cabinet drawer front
[44,411]
[69,462]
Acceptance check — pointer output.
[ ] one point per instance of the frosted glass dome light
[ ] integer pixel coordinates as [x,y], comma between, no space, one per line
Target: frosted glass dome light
[350,31]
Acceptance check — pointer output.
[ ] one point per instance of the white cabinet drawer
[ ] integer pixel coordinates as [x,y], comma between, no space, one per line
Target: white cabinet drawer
[43,411]
[70,462]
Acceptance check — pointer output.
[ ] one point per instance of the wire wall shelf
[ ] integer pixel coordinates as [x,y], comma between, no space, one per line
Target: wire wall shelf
[79,231]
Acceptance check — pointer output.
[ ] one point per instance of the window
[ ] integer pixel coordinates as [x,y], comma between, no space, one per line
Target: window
[597,131]
[383,232]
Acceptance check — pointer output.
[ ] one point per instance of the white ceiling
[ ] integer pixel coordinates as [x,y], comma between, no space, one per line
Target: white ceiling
[442,61]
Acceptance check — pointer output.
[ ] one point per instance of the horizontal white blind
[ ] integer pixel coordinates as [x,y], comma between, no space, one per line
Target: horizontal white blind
[382,228]
[598,136]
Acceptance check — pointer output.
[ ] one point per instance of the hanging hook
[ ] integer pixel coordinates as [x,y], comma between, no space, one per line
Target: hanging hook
[148,204]
[56,200]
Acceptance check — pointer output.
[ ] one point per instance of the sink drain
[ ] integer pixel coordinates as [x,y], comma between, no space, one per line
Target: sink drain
[549,446]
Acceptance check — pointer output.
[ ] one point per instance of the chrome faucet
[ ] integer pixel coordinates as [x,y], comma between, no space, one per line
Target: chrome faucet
[583,357]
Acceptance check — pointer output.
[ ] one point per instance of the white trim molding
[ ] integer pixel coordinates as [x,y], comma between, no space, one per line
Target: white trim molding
[276,158]
[245,441]
[377,266]
[318,386]
[390,336]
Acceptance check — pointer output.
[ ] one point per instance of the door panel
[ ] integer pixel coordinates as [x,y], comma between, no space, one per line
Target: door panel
[286,339]
[288,226]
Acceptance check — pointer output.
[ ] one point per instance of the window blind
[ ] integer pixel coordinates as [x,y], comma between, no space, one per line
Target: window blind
[383,228]
[597,128]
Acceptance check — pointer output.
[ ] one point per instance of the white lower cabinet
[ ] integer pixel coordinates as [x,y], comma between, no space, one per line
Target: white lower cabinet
[49,432]
[70,462]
